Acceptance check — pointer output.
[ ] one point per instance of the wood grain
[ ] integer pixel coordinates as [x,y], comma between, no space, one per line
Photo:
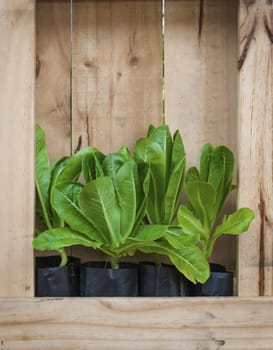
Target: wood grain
[201,72]
[52,88]
[255,255]
[53,51]
[147,324]
[116,72]
[17,52]
[116,76]
[201,83]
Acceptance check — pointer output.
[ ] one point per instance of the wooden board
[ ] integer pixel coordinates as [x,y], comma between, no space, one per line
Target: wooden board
[201,72]
[255,255]
[17,52]
[116,76]
[53,88]
[116,72]
[201,82]
[53,51]
[146,324]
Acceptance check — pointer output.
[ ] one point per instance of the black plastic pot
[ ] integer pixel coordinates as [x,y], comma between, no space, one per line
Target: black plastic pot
[53,280]
[220,283]
[161,281]
[98,279]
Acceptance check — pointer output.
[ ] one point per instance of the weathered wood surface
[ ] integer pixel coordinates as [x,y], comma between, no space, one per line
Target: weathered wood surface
[116,72]
[201,82]
[116,76]
[201,72]
[52,86]
[146,324]
[17,52]
[255,255]
[52,89]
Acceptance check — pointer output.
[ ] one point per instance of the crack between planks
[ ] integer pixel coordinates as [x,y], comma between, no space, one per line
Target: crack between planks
[262,247]
[200,20]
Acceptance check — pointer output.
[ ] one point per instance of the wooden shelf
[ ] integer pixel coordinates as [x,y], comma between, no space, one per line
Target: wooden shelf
[137,323]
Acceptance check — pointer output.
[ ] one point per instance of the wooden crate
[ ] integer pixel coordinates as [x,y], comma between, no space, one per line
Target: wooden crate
[95,77]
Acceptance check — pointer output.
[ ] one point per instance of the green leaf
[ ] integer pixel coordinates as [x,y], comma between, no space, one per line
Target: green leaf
[91,165]
[57,238]
[162,137]
[88,167]
[173,194]
[192,175]
[56,170]
[151,129]
[142,192]
[236,223]
[73,168]
[145,235]
[221,174]
[176,177]
[189,261]
[114,161]
[233,224]
[125,185]
[150,153]
[178,150]
[180,239]
[206,152]
[191,224]
[98,202]
[201,196]
[125,153]
[65,201]
[150,232]
[156,151]
[42,174]
[227,158]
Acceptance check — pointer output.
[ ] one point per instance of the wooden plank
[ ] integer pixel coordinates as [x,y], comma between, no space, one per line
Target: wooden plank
[17,52]
[255,271]
[53,51]
[137,323]
[116,76]
[201,82]
[52,88]
[116,72]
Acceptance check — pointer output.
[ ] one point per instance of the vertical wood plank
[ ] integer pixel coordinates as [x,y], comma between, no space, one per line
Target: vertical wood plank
[17,50]
[201,72]
[52,99]
[117,72]
[52,88]
[116,75]
[201,82]
[255,257]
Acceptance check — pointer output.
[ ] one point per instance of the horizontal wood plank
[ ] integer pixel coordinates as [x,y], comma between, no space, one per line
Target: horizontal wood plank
[137,323]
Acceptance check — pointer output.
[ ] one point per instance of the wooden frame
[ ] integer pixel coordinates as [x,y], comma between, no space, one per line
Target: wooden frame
[232,323]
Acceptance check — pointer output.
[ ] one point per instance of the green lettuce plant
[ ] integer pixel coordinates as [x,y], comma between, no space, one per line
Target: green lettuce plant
[47,176]
[107,214]
[165,156]
[207,190]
